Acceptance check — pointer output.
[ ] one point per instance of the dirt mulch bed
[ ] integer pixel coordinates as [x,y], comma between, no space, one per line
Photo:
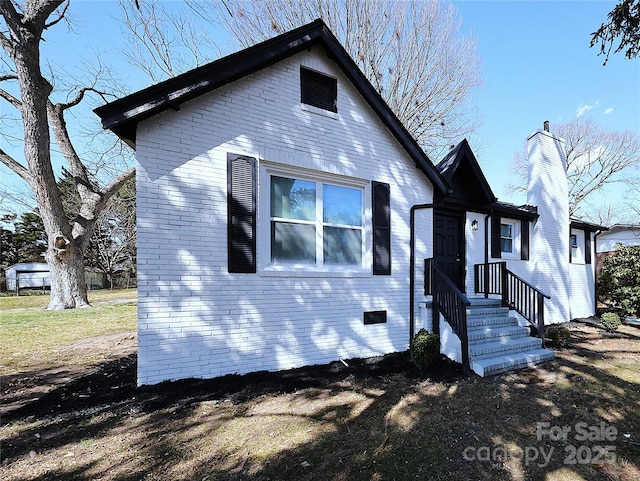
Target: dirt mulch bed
[57,391]
[371,419]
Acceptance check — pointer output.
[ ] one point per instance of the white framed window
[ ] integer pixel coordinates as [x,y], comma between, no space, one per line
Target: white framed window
[314,222]
[576,246]
[510,238]
[507,231]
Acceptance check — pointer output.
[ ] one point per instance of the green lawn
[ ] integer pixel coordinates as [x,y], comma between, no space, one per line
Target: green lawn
[34,299]
[30,333]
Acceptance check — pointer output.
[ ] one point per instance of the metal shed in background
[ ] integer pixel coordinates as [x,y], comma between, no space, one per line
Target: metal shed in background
[31,275]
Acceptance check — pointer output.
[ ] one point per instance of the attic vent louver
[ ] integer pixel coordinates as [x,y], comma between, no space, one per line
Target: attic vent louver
[318,90]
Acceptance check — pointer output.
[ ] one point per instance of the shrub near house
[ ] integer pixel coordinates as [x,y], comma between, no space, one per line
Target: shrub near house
[619,281]
[610,321]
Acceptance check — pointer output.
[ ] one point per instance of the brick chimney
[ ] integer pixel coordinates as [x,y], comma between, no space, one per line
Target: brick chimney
[548,190]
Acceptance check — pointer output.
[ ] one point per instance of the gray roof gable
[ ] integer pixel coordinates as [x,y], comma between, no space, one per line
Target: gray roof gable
[123,115]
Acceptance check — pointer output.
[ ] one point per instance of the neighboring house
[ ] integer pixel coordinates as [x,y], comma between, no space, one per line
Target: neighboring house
[285,215]
[607,242]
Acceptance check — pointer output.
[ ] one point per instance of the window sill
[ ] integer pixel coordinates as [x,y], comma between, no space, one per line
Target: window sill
[316,273]
[319,111]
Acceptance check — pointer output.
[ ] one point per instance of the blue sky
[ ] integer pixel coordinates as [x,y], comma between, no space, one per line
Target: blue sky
[537,66]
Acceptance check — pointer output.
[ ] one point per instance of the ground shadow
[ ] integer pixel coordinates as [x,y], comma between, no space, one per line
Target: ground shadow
[376,419]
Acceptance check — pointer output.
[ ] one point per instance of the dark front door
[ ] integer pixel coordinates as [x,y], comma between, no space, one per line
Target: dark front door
[448,246]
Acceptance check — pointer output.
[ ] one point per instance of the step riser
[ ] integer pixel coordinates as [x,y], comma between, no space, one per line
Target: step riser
[483,352]
[491,311]
[487,334]
[511,363]
[491,322]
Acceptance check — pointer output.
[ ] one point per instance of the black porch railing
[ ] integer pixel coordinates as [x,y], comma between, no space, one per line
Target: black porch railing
[495,279]
[451,302]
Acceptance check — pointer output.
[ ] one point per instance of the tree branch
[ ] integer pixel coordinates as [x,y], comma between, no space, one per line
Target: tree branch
[60,17]
[11,99]
[40,12]
[59,127]
[4,41]
[15,166]
[12,19]
[11,16]
[116,184]
[79,96]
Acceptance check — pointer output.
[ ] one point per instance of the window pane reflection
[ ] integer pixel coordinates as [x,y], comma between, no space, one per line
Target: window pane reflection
[293,198]
[293,242]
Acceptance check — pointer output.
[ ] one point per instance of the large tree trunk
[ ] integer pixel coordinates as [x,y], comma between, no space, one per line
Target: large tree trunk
[65,253]
[68,286]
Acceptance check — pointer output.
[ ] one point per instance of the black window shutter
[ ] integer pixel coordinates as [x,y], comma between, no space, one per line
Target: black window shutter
[241,213]
[587,247]
[381,202]
[524,240]
[318,90]
[496,248]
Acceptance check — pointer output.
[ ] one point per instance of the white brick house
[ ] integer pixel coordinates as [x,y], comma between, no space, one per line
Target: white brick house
[284,214]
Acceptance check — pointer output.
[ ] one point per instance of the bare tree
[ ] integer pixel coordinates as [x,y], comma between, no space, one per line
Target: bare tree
[163,43]
[633,203]
[113,245]
[20,38]
[411,51]
[596,158]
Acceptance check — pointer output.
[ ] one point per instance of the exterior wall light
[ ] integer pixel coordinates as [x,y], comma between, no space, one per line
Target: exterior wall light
[474,225]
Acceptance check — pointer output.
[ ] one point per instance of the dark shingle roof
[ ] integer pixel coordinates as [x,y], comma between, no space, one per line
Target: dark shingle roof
[123,115]
[588,226]
[461,156]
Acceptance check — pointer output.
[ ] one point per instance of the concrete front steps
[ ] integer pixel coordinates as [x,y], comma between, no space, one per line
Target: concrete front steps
[497,343]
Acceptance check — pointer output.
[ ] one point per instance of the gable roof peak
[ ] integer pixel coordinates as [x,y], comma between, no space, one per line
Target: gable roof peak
[123,115]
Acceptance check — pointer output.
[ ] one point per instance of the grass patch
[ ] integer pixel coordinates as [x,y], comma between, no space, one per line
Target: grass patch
[36,300]
[30,336]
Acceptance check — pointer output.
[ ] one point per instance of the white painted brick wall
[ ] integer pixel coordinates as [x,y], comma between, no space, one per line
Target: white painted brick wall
[196,319]
[582,301]
[474,247]
[549,254]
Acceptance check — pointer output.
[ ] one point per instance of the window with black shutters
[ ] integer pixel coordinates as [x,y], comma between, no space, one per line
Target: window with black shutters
[314,222]
[510,238]
[318,90]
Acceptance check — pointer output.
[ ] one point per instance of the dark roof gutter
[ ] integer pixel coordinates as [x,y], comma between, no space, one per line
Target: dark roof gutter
[588,226]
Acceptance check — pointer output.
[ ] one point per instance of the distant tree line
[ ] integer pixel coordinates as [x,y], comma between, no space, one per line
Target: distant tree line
[22,239]
[111,250]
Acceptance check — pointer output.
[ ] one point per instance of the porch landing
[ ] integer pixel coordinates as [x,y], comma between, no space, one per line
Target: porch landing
[497,342]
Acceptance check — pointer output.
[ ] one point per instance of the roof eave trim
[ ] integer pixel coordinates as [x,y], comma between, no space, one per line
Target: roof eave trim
[196,82]
[122,115]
